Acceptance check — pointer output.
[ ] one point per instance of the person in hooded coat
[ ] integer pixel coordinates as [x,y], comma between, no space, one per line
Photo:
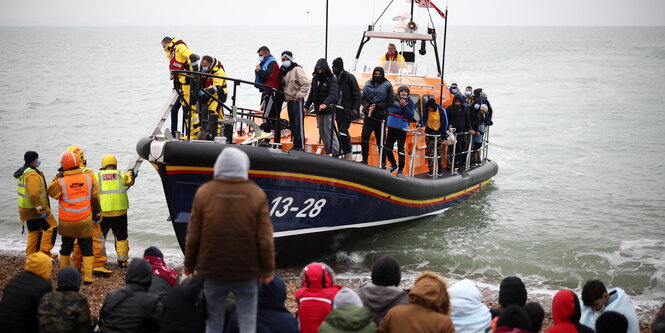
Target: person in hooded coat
[163,278]
[428,309]
[348,315]
[272,315]
[383,293]
[350,101]
[20,299]
[435,121]
[458,118]
[377,96]
[296,86]
[132,308]
[566,314]
[323,94]
[184,308]
[513,319]
[65,310]
[315,297]
[230,240]
[597,300]
[469,314]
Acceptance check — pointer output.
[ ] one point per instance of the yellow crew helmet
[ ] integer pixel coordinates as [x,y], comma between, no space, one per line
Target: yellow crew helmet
[109,160]
[78,151]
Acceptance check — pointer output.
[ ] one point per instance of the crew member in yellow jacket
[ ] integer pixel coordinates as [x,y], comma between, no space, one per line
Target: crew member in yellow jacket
[214,89]
[113,186]
[78,198]
[181,58]
[34,207]
[98,247]
[392,61]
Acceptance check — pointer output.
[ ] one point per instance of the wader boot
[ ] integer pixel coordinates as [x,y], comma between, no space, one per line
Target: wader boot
[87,269]
[64,261]
[122,249]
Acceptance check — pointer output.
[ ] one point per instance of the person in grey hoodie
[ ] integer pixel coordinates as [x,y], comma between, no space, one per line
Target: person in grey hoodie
[348,315]
[323,94]
[383,292]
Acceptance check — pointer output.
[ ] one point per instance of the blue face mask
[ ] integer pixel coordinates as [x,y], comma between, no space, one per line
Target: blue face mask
[467,93]
[205,69]
[39,162]
[454,91]
[286,63]
[476,106]
[261,58]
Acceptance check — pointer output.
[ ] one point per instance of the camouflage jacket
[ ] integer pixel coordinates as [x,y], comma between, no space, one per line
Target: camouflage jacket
[64,311]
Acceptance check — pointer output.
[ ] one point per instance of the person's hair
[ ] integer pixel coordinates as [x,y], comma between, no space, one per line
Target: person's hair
[536,314]
[167,39]
[611,322]
[658,324]
[263,48]
[207,58]
[592,290]
[392,44]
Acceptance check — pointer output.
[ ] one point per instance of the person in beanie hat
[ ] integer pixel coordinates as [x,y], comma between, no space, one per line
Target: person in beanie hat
[65,310]
[163,277]
[611,322]
[34,208]
[348,315]
[296,86]
[350,103]
[18,307]
[513,319]
[383,292]
[512,291]
[400,114]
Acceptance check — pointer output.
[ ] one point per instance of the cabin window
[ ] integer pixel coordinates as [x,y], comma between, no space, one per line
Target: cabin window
[416,102]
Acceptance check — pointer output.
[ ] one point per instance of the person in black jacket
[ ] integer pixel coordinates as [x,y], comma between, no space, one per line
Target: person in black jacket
[377,96]
[350,101]
[184,308]
[18,308]
[132,308]
[323,95]
[163,277]
[272,315]
[458,118]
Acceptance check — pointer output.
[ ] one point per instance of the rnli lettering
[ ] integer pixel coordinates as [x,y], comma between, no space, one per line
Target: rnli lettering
[77,189]
[110,176]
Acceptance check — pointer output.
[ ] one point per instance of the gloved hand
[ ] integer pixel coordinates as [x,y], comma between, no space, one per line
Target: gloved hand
[201,92]
[42,215]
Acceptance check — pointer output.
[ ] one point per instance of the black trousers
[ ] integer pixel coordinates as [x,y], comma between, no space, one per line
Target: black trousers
[344,136]
[68,244]
[370,125]
[399,136]
[116,223]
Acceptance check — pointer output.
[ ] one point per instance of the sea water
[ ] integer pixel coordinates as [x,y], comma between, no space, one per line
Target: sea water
[578,136]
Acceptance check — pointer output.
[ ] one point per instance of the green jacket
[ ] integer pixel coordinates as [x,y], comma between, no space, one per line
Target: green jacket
[348,318]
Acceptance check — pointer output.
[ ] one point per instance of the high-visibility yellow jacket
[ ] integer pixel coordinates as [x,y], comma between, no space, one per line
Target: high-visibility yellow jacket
[181,53]
[32,197]
[113,187]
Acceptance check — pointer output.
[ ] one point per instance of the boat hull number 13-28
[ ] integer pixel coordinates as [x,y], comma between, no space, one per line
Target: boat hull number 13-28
[284,205]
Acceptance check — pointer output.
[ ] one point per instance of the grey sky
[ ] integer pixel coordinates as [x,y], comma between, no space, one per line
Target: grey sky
[343,12]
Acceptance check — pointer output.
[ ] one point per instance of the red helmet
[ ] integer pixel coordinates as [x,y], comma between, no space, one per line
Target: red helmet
[69,160]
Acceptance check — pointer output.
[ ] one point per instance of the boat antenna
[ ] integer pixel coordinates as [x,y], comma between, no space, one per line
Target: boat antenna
[443,57]
[384,11]
[326,52]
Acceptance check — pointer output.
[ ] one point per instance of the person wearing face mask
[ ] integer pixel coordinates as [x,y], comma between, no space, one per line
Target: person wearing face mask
[377,96]
[597,300]
[458,118]
[213,89]
[468,93]
[323,94]
[454,90]
[350,101]
[181,58]
[34,207]
[296,86]
[267,72]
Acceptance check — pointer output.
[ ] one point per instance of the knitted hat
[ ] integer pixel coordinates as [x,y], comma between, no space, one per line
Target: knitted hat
[512,291]
[346,296]
[431,103]
[153,252]
[454,85]
[403,88]
[484,108]
[338,63]
[611,322]
[40,264]
[69,279]
[288,55]
[514,317]
[30,156]
[386,272]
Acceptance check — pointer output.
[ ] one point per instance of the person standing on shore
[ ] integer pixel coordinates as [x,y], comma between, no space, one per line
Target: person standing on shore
[296,86]
[233,209]
[78,198]
[597,300]
[34,207]
[20,299]
[350,102]
[113,186]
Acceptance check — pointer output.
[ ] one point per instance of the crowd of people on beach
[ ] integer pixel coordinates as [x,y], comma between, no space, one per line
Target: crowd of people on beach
[335,98]
[230,250]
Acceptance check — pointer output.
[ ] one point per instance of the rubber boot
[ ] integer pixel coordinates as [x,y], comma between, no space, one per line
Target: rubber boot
[77,256]
[64,261]
[122,248]
[33,243]
[87,269]
[101,271]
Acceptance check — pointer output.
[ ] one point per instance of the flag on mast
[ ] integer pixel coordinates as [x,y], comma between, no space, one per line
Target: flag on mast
[429,4]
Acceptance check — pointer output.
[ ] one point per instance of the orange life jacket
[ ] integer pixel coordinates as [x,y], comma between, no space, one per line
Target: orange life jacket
[74,204]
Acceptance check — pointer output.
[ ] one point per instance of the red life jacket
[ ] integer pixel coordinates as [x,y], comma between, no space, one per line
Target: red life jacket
[214,69]
[175,65]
